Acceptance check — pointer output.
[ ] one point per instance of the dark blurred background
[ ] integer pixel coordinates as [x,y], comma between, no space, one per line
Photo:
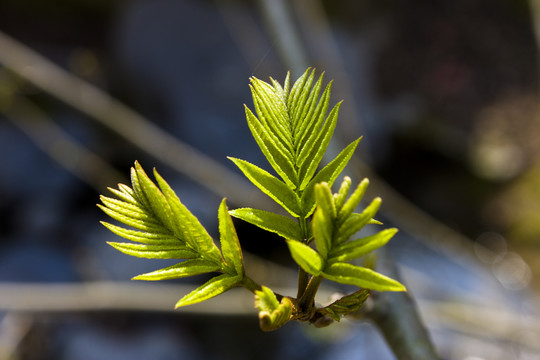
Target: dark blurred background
[445,94]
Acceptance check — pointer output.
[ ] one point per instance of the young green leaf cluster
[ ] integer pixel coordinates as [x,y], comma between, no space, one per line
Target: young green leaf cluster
[163,228]
[293,131]
[293,128]
[334,222]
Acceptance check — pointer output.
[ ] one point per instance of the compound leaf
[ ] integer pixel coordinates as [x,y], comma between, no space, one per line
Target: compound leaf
[186,225]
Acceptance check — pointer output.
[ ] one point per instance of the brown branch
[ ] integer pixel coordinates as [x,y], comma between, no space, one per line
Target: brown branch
[397,317]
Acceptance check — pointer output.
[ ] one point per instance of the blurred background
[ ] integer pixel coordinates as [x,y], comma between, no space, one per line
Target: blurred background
[444,93]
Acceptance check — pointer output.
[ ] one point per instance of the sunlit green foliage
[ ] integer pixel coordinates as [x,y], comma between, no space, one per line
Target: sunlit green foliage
[293,128]
[165,229]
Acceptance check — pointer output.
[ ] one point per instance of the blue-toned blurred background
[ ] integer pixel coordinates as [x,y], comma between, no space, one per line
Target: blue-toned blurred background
[444,93]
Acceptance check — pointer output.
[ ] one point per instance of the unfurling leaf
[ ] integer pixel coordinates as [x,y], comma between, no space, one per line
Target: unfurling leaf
[345,305]
[272,314]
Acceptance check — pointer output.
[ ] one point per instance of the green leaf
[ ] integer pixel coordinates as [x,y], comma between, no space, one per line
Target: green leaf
[353,200]
[307,258]
[213,287]
[272,314]
[230,245]
[127,190]
[354,249]
[297,109]
[310,127]
[187,226]
[302,120]
[158,204]
[340,197]
[266,300]
[181,270]
[279,224]
[325,200]
[310,158]
[280,90]
[347,304]
[149,224]
[130,210]
[138,193]
[287,86]
[281,163]
[324,218]
[355,222]
[328,174]
[297,89]
[272,112]
[344,273]
[322,232]
[270,185]
[166,251]
[142,236]
[124,195]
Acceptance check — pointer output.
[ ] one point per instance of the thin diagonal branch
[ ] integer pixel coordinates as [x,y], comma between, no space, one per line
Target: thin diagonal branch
[119,118]
[60,146]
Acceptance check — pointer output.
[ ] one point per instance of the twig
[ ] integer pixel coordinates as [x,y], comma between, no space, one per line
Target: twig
[127,123]
[58,144]
[395,314]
